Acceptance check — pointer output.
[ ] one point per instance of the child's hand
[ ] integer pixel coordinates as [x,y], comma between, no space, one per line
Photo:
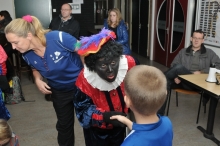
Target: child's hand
[119,118]
[123,120]
[114,122]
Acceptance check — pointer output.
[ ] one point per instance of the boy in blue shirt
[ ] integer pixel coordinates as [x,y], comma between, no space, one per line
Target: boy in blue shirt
[145,89]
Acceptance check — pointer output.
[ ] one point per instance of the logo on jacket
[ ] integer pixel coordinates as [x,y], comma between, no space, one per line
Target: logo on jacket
[56,58]
[57,54]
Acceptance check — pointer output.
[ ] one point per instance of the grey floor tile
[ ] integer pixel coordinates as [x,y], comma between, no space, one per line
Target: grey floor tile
[34,122]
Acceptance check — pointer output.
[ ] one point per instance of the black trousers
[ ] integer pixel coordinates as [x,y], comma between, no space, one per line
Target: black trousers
[4,85]
[64,108]
[171,74]
[104,137]
[10,70]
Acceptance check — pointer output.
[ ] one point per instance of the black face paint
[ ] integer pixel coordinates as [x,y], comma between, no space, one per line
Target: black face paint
[107,69]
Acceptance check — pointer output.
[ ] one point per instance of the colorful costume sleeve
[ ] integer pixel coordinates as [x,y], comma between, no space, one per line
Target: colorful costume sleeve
[3,58]
[4,113]
[87,113]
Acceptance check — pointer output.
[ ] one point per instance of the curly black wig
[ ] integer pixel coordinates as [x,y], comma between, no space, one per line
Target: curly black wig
[108,50]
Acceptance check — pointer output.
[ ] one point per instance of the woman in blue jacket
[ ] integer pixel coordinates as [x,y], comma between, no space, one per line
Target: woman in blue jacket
[116,24]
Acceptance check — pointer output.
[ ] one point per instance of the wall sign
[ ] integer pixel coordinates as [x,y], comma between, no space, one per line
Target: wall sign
[76,6]
[208,19]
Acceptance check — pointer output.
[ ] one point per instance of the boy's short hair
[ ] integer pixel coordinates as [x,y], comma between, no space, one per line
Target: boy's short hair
[145,86]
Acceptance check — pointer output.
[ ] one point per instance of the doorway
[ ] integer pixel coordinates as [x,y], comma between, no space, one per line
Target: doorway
[31,7]
[170,29]
[140,10]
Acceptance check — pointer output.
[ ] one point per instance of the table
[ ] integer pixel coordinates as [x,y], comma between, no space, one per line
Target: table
[213,90]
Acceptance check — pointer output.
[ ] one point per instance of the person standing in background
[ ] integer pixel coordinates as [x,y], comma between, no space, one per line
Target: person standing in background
[5,18]
[115,23]
[66,22]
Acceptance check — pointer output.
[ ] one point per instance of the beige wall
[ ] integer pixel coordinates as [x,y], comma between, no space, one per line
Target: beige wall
[9,6]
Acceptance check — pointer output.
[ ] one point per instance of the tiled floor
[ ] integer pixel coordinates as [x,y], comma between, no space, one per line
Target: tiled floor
[34,122]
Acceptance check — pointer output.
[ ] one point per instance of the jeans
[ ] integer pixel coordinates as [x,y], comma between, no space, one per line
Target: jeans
[64,108]
[171,74]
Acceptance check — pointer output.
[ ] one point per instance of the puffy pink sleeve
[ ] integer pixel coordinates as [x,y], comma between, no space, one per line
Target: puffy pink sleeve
[3,55]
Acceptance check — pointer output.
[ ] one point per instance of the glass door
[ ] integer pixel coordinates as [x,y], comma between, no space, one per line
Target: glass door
[170,29]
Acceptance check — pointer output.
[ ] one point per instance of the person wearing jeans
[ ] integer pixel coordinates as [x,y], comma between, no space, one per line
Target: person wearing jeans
[196,59]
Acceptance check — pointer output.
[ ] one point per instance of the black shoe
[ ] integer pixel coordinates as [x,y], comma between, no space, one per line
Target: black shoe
[48,97]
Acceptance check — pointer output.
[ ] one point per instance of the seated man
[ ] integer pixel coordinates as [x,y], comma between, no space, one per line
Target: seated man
[195,59]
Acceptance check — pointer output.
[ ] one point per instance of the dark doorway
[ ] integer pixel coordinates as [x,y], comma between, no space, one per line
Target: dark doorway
[31,7]
[140,9]
[100,11]
[170,29]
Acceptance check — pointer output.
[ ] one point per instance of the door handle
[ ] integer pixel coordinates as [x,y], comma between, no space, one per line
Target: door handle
[167,29]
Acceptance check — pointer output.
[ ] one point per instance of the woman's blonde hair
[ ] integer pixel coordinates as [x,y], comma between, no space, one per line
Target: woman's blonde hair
[5,130]
[118,19]
[21,28]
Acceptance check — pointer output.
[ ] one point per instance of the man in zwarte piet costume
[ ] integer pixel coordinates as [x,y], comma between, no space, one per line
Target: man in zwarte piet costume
[100,89]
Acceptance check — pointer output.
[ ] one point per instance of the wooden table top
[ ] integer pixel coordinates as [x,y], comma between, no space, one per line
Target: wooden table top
[200,81]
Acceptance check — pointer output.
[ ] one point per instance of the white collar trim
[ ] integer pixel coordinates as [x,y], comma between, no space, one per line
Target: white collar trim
[96,82]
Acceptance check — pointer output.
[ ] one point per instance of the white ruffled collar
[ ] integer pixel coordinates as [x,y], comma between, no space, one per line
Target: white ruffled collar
[96,82]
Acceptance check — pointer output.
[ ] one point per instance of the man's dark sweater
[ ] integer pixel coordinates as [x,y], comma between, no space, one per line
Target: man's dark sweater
[70,26]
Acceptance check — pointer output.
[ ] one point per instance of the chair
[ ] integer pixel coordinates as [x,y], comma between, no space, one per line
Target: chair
[188,92]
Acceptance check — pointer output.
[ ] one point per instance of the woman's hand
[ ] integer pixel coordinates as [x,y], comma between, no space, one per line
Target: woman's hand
[43,87]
